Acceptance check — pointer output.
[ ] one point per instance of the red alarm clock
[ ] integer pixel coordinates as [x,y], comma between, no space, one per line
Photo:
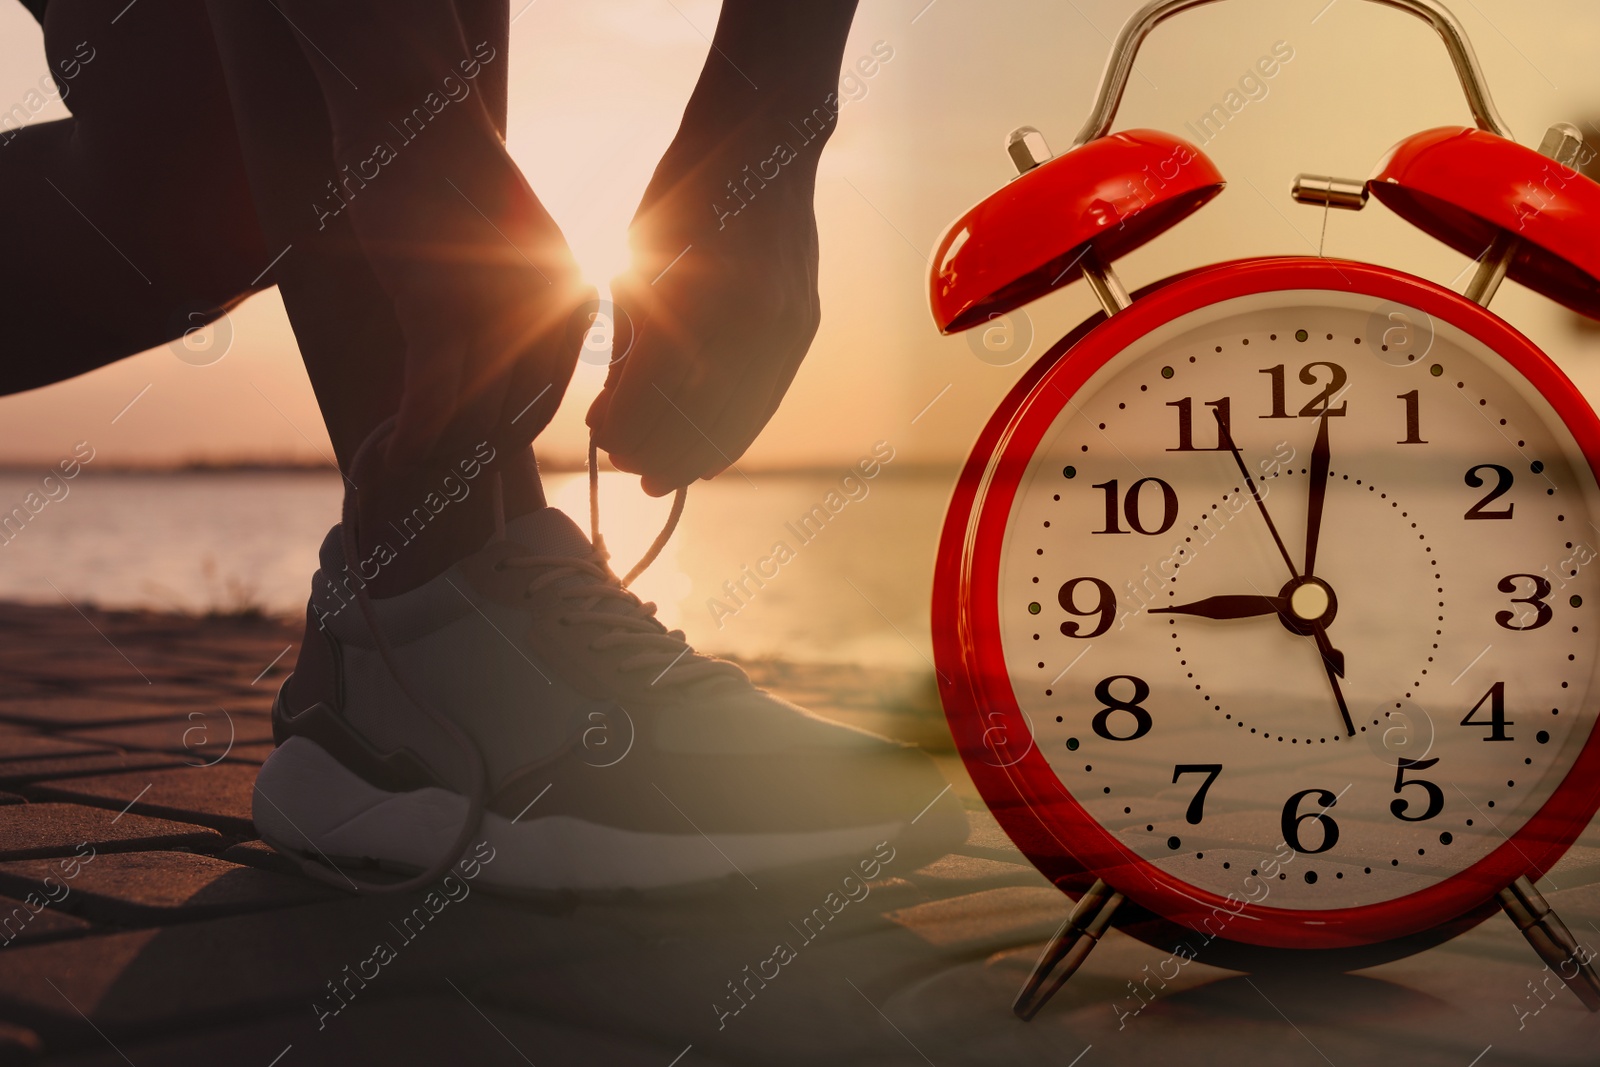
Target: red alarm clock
[1262,610]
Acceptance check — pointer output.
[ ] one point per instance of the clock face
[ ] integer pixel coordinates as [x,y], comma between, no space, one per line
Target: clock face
[1296,597]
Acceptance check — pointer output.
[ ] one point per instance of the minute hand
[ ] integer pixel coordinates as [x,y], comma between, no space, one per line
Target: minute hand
[1318,493]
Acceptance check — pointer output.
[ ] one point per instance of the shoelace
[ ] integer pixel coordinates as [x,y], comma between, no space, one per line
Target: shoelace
[635,625]
[599,541]
[638,625]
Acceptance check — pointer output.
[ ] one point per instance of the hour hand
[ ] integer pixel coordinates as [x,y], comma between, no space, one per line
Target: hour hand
[1246,606]
[1334,658]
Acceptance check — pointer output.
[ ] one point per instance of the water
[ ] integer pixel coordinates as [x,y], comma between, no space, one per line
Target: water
[855,591]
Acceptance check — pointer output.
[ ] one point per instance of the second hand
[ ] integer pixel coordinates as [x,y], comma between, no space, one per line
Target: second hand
[1226,437]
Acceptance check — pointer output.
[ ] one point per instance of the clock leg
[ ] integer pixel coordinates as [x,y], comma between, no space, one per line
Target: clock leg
[1552,940]
[1069,948]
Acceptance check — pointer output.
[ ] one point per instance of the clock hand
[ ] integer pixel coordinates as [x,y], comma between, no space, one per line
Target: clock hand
[1334,669]
[1231,607]
[1319,493]
[1332,658]
[1225,437]
[1330,655]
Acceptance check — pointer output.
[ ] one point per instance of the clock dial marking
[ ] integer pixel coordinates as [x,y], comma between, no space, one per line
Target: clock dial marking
[1152,557]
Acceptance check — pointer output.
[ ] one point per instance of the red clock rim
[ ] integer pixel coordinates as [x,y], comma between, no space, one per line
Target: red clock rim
[1031,803]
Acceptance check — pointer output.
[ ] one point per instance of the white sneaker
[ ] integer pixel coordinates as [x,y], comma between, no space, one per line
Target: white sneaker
[606,754]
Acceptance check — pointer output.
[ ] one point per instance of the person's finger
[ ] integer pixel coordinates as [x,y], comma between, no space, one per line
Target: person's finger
[725,401]
[675,456]
[768,355]
[626,403]
[670,325]
[743,422]
[631,309]
[679,451]
[625,334]
[640,402]
[790,338]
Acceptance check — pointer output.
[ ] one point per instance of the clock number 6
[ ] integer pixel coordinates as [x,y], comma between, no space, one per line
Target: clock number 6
[1398,808]
[1198,804]
[1109,704]
[1293,817]
[1543,612]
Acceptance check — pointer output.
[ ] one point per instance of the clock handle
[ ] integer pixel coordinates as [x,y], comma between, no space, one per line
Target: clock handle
[1069,948]
[1552,940]
[1120,64]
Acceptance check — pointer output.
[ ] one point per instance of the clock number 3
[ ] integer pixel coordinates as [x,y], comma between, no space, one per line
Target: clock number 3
[1110,704]
[1435,795]
[1514,620]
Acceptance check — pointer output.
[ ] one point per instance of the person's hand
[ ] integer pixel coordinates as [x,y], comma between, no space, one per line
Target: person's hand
[719,307]
[484,289]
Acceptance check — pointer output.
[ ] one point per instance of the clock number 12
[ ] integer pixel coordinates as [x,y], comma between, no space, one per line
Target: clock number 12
[1321,404]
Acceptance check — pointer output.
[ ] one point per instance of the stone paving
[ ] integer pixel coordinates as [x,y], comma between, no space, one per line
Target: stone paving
[141,921]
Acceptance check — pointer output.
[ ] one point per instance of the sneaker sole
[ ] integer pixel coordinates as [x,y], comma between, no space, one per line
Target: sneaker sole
[307,804]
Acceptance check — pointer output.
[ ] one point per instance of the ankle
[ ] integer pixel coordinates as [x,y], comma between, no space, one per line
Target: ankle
[524,491]
[414,525]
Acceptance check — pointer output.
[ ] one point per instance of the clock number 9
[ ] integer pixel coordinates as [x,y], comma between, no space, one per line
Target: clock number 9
[1293,817]
[1105,608]
[1398,808]
[1109,704]
[1542,611]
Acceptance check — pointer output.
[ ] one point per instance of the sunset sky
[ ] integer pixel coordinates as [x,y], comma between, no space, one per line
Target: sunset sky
[595,94]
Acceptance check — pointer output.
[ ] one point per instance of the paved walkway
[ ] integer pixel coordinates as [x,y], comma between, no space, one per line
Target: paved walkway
[185,940]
